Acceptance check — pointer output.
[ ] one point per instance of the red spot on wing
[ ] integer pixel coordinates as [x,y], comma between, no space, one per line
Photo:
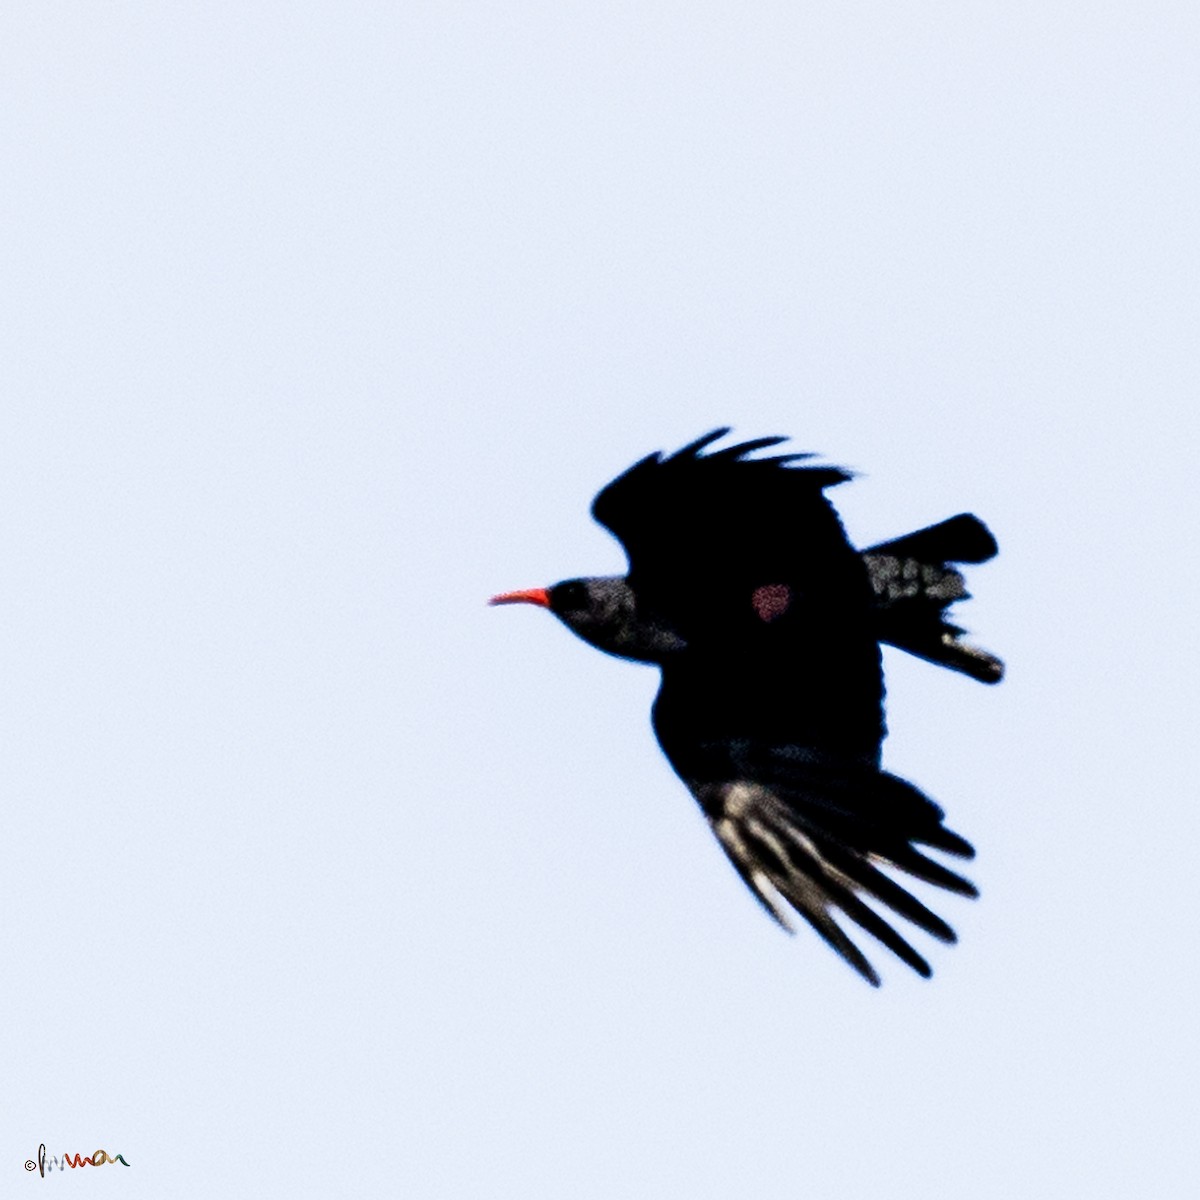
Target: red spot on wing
[771,601]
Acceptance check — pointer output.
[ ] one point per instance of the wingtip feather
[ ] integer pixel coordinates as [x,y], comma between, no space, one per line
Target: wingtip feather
[813,860]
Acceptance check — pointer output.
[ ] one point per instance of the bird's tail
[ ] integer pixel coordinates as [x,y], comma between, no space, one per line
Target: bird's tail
[915,583]
[815,844]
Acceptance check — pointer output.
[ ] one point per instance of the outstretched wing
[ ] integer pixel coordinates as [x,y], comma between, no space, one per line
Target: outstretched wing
[692,523]
[809,833]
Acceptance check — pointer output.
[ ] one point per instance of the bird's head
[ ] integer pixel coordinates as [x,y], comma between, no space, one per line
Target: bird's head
[603,611]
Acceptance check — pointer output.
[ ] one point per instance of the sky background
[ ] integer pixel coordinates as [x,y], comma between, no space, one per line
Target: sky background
[322,322]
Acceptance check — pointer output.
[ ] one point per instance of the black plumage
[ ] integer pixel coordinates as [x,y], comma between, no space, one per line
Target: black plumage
[766,623]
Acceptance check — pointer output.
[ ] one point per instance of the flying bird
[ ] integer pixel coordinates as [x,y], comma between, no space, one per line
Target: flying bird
[766,623]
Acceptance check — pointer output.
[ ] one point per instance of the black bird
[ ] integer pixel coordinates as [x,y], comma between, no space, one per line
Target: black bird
[766,622]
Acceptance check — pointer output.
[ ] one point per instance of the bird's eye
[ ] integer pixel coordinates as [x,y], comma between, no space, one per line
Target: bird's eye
[569,596]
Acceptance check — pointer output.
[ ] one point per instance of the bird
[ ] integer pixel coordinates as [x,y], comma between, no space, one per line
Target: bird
[766,624]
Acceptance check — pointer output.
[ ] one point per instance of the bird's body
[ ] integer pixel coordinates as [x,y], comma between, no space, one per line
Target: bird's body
[766,622]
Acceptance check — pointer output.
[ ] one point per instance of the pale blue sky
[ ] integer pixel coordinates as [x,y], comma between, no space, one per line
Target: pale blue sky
[323,322]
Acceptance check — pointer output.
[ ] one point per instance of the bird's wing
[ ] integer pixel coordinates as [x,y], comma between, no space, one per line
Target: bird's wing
[697,527]
[810,832]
